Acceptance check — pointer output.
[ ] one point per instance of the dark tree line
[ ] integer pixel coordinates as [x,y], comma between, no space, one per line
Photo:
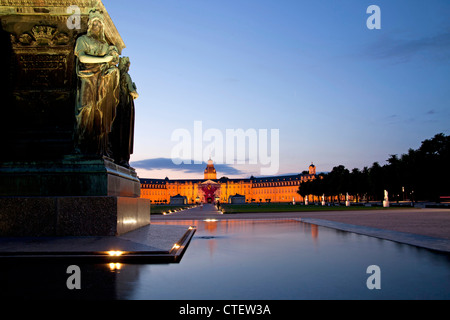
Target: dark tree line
[422,174]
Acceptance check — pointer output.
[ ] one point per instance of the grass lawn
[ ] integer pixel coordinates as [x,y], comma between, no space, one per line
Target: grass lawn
[249,208]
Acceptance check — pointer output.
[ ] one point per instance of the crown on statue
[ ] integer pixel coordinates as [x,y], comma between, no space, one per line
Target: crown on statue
[96,14]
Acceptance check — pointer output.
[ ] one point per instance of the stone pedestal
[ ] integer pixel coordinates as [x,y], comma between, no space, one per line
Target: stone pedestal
[75,176]
[46,187]
[74,196]
[385,204]
[71,216]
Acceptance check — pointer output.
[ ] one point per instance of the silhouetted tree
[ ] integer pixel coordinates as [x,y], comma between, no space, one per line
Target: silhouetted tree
[424,172]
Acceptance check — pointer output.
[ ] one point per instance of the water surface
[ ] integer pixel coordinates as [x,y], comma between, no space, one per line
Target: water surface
[293,260]
[251,259]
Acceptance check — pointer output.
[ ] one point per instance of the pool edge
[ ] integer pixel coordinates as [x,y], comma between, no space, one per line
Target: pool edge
[431,243]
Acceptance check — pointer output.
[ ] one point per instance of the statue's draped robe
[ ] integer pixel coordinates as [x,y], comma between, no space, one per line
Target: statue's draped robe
[123,129]
[97,98]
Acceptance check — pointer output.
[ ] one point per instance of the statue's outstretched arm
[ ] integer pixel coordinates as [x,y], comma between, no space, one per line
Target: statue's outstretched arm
[85,58]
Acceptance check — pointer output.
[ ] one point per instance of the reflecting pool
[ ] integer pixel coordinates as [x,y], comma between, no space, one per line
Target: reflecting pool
[254,260]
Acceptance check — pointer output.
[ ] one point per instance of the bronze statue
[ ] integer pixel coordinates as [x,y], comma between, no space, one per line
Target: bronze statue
[123,127]
[98,88]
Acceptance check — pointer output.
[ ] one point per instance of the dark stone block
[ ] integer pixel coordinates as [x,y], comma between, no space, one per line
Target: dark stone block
[87,216]
[21,217]
[72,216]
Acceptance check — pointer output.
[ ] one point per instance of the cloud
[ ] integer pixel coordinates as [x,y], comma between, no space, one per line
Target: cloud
[435,47]
[166,163]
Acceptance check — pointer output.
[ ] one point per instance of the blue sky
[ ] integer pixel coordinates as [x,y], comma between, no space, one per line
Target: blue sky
[338,92]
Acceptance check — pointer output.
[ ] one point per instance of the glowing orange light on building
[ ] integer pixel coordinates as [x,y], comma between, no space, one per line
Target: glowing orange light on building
[282,189]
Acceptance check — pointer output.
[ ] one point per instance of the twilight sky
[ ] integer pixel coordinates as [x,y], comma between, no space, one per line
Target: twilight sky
[338,92]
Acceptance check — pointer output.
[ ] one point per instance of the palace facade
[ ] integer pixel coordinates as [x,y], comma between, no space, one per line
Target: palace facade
[210,189]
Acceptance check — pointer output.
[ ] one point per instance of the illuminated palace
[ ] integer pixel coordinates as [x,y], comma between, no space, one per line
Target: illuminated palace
[210,189]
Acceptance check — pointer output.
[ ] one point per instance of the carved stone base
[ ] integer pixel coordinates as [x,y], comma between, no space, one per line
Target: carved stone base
[71,216]
[71,176]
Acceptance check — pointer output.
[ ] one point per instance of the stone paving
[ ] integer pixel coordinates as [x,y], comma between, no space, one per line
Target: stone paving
[150,244]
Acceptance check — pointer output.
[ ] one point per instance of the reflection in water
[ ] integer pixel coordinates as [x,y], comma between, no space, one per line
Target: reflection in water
[278,259]
[250,259]
[315,231]
[115,266]
[213,228]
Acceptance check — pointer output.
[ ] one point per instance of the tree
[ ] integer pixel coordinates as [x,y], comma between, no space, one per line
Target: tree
[304,189]
[376,181]
[339,181]
[424,172]
[356,182]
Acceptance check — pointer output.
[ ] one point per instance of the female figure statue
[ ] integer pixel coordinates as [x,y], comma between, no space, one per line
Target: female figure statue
[98,89]
[123,128]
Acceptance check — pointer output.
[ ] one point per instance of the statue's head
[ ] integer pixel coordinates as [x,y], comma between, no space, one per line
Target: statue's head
[124,64]
[96,25]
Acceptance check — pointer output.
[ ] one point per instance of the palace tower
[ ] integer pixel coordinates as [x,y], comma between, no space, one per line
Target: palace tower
[210,171]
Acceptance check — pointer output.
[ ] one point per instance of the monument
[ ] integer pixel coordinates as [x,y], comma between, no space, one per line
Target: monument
[66,130]
[386,199]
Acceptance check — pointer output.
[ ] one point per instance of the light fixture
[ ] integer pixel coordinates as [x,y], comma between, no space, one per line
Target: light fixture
[114,253]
